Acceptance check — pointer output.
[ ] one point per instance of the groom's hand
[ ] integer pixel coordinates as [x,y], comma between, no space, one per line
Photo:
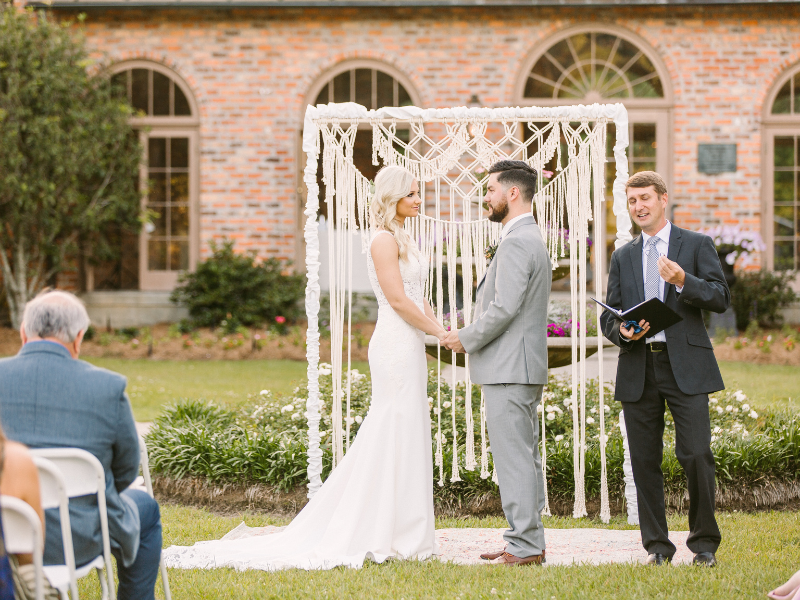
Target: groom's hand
[451,342]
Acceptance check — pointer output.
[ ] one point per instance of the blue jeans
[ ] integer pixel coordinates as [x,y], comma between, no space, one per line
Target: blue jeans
[137,582]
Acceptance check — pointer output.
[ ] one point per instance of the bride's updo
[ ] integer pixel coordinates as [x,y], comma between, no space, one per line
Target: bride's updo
[392,184]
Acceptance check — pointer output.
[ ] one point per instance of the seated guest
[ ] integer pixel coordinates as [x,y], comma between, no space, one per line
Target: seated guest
[50,399]
[19,479]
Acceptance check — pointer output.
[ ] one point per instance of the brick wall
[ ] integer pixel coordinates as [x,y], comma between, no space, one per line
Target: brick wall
[251,71]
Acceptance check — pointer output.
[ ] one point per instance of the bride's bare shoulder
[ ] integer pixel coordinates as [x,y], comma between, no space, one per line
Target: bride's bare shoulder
[384,246]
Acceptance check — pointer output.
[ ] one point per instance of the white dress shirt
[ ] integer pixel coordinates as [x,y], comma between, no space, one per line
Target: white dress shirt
[508,225]
[662,245]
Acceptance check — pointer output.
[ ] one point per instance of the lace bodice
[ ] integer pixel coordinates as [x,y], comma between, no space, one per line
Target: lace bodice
[413,270]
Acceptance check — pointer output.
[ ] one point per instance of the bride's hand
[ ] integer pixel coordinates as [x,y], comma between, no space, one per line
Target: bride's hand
[442,334]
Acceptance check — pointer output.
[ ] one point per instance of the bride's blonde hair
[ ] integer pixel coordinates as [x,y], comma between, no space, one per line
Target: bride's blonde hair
[392,184]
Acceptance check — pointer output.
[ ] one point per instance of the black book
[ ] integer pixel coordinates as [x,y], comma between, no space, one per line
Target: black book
[654,311]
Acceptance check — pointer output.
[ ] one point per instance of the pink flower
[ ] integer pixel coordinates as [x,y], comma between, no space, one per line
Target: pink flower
[280,320]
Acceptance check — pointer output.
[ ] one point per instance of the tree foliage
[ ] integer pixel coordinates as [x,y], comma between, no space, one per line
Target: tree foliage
[760,296]
[233,289]
[69,158]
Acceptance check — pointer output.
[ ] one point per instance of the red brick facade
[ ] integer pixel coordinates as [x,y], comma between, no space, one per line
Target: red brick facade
[251,72]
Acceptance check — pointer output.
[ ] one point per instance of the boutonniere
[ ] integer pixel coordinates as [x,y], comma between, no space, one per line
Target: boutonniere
[489,252]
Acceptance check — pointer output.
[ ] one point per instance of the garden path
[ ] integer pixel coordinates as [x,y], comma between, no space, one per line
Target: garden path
[564,546]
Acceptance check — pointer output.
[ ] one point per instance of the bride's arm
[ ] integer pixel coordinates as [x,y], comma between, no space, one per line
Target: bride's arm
[429,311]
[386,258]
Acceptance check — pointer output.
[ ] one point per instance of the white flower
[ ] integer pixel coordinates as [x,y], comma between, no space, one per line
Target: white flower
[735,409]
[264,392]
[745,433]
[551,416]
[589,420]
[295,416]
[753,414]
[717,429]
[430,400]
[713,438]
[607,408]
[739,395]
[539,408]
[712,401]
[559,438]
[720,410]
[568,402]
[729,408]
[558,410]
[446,405]
[435,410]
[604,439]
[550,408]
[769,338]
[287,408]
[349,420]
[359,419]
[745,407]
[593,411]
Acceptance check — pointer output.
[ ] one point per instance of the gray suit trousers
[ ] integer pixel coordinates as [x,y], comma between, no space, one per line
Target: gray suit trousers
[514,438]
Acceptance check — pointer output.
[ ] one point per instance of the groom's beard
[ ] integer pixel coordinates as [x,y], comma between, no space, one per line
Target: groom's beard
[499,212]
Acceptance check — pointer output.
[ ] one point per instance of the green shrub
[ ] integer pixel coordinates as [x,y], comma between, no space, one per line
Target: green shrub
[266,439]
[760,296]
[231,289]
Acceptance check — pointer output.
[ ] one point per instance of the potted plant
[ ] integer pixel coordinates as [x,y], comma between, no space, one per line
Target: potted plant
[734,243]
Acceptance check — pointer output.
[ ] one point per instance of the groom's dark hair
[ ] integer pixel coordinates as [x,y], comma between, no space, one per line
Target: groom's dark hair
[516,173]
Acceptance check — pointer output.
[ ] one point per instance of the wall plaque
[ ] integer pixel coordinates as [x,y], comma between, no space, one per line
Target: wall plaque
[716,158]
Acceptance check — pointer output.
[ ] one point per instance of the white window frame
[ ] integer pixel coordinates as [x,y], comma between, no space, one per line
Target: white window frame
[168,126]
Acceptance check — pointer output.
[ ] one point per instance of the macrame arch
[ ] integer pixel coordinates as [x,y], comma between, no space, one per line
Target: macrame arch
[446,151]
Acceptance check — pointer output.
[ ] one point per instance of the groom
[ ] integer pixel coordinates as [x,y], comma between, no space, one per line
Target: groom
[507,344]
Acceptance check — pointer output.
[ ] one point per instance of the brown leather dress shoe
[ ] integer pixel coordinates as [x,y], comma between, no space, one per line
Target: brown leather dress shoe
[492,555]
[515,561]
[496,555]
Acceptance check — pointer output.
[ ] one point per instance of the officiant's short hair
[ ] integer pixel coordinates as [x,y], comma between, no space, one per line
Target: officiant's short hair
[644,179]
[517,173]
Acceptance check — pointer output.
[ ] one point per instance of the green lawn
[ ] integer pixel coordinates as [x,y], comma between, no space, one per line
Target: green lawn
[768,386]
[758,552]
[154,383]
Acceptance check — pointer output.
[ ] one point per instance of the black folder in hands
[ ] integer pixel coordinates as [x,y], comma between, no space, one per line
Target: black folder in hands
[654,311]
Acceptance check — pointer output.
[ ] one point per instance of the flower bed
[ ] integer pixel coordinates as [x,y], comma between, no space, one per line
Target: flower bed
[264,442]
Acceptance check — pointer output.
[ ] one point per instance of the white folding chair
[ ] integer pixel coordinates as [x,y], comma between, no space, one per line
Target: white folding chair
[148,483]
[23,535]
[82,475]
[53,490]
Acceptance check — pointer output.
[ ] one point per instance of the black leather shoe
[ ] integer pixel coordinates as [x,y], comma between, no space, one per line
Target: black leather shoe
[705,559]
[658,559]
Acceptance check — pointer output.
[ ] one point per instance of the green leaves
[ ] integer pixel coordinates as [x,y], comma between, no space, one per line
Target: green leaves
[70,158]
[234,289]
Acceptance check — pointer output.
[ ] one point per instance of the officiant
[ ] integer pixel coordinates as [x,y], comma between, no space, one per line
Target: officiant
[675,366]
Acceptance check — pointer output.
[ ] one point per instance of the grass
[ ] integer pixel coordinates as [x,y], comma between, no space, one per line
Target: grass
[767,386]
[758,552]
[152,383]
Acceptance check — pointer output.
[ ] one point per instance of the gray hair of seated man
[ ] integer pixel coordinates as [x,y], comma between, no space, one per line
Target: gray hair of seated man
[55,314]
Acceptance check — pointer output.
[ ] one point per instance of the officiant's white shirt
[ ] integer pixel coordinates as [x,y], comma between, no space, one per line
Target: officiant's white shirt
[662,245]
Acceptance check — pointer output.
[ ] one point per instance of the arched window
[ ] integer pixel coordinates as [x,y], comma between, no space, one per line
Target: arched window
[586,65]
[593,64]
[167,124]
[370,84]
[782,173]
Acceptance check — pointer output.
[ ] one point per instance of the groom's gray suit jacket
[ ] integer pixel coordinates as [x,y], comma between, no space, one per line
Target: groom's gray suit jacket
[507,341]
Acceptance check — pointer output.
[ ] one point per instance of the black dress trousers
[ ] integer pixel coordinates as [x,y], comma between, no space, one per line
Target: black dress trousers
[644,421]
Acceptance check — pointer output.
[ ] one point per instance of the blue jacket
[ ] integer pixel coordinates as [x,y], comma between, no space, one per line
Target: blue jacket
[50,400]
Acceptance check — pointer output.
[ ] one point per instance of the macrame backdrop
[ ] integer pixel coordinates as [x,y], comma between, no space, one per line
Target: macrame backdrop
[448,151]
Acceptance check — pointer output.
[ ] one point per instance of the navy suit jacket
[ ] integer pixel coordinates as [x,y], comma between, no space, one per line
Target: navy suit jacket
[690,352]
[50,400]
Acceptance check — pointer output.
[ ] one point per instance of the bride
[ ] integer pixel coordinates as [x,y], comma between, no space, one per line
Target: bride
[378,503]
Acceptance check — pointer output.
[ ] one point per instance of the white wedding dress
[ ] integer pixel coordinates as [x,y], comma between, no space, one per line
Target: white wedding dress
[378,503]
